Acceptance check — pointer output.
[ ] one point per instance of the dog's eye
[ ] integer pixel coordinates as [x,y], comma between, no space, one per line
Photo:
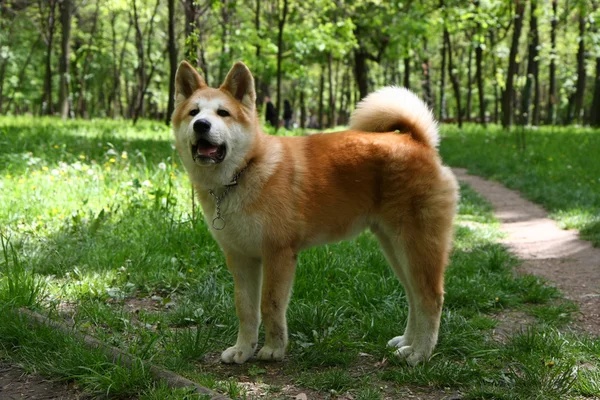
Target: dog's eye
[223,113]
[194,112]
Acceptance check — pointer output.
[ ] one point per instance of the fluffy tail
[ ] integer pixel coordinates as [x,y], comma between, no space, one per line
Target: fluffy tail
[395,108]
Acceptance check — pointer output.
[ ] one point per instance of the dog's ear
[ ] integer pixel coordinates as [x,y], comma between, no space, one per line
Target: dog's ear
[187,81]
[240,83]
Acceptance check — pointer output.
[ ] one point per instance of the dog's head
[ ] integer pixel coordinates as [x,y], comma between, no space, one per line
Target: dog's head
[214,127]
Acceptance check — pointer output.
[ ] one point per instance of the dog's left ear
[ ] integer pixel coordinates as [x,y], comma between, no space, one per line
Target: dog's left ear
[240,83]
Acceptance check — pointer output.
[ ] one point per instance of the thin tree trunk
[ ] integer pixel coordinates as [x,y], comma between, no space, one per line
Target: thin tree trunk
[426,83]
[407,72]
[360,72]
[578,97]
[281,17]
[21,76]
[66,14]
[172,62]
[321,96]
[47,106]
[302,110]
[453,78]
[479,74]
[552,92]
[442,113]
[469,84]
[331,111]
[260,96]
[81,103]
[594,113]
[509,91]
[532,67]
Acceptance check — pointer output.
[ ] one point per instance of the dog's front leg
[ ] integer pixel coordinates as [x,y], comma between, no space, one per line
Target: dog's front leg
[278,268]
[247,276]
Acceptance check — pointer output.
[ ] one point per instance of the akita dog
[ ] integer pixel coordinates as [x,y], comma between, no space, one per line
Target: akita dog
[266,198]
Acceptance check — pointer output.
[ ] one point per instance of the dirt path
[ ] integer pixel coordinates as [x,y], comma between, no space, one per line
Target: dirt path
[557,255]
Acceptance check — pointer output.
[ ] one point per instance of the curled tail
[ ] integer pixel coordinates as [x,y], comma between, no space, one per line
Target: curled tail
[395,108]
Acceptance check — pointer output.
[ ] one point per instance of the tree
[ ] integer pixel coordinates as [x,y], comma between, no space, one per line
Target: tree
[509,91]
[66,14]
[552,91]
[576,101]
[47,105]
[282,13]
[532,82]
[172,61]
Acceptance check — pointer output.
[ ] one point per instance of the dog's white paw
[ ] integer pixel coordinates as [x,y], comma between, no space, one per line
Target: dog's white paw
[411,355]
[398,341]
[268,353]
[237,354]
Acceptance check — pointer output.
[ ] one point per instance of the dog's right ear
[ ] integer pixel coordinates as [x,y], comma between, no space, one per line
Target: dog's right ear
[187,81]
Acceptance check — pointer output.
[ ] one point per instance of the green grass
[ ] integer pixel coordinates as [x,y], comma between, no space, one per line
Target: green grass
[117,253]
[558,167]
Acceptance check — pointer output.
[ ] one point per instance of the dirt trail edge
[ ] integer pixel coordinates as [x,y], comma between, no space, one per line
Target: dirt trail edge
[557,255]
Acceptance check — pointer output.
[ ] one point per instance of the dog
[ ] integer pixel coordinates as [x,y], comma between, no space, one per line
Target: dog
[266,198]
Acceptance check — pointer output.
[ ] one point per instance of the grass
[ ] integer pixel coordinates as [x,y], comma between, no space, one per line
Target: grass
[556,167]
[98,231]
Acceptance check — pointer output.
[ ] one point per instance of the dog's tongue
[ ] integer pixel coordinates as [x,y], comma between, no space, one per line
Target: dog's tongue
[207,150]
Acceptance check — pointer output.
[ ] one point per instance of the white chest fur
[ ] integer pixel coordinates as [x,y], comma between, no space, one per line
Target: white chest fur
[242,232]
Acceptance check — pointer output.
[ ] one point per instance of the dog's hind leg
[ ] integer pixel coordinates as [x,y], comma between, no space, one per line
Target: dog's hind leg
[424,238]
[398,263]
[278,268]
[247,277]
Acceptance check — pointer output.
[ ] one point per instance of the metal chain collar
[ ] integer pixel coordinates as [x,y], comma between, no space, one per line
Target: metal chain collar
[218,222]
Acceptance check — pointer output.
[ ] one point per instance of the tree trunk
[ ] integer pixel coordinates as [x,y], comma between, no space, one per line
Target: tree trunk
[47,106]
[479,68]
[442,114]
[453,78]
[426,83]
[509,91]
[577,99]
[594,113]
[532,67]
[302,110]
[360,72]
[552,92]
[66,14]
[331,111]
[469,84]
[260,96]
[225,55]
[281,17]
[194,34]
[172,62]
[81,103]
[321,96]
[407,72]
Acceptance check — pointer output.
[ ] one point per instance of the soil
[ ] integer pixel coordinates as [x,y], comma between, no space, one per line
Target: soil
[15,384]
[557,255]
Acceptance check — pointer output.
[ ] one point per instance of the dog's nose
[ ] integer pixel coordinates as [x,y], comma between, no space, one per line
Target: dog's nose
[201,126]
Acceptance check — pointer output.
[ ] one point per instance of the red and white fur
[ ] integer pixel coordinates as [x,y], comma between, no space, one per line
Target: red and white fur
[384,174]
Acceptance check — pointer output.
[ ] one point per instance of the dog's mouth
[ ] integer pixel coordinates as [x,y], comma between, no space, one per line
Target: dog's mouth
[204,151]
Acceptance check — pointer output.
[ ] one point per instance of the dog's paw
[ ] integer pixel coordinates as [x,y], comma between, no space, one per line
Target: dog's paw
[237,354]
[268,353]
[398,341]
[410,355]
